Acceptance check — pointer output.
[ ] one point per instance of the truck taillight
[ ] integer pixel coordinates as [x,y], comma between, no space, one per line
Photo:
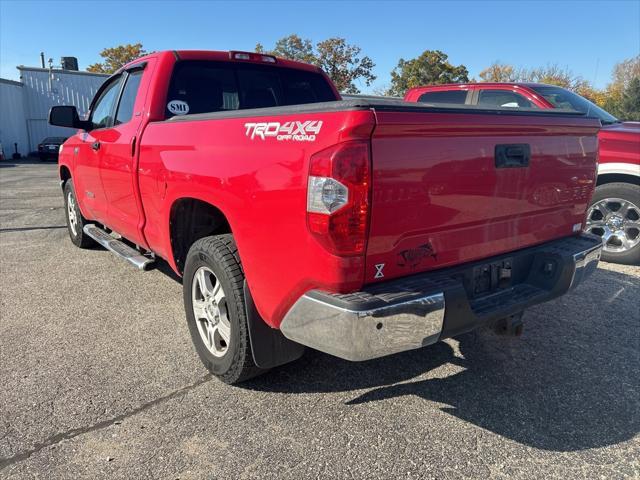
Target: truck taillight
[338,197]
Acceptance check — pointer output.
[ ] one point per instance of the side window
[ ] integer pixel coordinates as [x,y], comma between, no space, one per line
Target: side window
[128,98]
[444,96]
[101,114]
[503,98]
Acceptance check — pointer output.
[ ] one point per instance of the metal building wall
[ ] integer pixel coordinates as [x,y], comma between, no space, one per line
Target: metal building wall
[44,88]
[13,128]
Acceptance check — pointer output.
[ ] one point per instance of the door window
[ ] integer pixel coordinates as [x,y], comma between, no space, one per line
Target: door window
[503,98]
[128,98]
[102,111]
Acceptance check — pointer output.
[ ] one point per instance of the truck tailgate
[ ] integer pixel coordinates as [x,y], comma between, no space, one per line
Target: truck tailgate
[449,188]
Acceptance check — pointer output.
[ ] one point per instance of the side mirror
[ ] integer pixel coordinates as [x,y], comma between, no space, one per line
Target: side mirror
[66,116]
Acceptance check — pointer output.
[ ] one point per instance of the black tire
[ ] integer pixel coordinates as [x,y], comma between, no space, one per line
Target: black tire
[78,238]
[630,193]
[220,254]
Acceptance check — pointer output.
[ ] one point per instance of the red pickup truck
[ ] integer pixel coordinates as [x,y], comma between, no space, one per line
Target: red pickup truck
[614,213]
[360,228]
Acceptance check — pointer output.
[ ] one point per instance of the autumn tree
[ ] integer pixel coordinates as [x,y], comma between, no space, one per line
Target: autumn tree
[498,72]
[116,57]
[432,67]
[342,61]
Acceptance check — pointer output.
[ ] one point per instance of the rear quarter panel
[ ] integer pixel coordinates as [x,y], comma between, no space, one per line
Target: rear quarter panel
[260,186]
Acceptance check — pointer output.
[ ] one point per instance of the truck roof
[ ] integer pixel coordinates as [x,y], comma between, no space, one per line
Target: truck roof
[445,86]
[219,55]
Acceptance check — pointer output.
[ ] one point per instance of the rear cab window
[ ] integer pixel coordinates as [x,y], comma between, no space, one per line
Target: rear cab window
[202,86]
[457,97]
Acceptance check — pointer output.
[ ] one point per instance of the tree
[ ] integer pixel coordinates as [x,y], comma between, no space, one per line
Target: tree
[340,60]
[116,57]
[294,48]
[625,72]
[498,72]
[628,108]
[432,67]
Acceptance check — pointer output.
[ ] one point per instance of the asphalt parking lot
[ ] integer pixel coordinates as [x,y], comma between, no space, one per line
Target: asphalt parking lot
[99,380]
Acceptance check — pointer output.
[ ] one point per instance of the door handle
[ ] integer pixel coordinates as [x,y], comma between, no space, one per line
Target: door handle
[95,146]
[513,155]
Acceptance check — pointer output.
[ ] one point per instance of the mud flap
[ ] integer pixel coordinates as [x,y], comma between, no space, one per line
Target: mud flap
[269,347]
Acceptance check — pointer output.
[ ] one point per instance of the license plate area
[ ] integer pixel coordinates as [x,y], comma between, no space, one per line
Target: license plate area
[491,277]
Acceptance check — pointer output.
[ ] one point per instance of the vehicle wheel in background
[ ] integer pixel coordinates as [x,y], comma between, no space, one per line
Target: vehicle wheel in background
[614,215]
[215,308]
[75,220]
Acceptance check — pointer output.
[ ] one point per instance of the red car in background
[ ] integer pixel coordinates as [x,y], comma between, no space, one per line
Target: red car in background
[614,213]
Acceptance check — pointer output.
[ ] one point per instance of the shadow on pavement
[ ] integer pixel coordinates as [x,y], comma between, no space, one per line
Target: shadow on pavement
[570,384]
[28,229]
[9,162]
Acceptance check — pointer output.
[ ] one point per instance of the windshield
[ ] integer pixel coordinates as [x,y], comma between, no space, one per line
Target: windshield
[561,98]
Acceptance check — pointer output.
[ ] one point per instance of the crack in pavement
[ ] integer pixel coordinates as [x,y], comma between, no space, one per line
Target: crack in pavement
[74,432]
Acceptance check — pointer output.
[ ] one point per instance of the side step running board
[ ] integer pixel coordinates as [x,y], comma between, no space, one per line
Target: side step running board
[121,249]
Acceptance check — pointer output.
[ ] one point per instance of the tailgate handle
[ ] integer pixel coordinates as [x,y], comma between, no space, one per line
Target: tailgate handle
[513,155]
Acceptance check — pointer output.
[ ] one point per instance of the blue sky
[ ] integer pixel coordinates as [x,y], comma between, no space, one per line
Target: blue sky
[588,37]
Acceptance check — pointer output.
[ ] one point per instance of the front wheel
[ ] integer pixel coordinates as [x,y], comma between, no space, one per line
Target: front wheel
[214,303]
[614,215]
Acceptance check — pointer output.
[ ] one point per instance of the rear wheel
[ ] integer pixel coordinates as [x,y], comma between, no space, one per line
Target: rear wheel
[75,220]
[614,215]
[215,308]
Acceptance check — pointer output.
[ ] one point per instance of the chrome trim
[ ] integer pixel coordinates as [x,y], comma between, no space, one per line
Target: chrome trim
[365,334]
[585,261]
[114,245]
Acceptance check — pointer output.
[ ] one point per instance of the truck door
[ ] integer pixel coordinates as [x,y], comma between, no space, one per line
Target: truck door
[118,158]
[87,181]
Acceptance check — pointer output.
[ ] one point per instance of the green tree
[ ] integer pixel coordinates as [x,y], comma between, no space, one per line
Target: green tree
[629,106]
[116,57]
[344,65]
[342,61]
[624,74]
[294,48]
[432,67]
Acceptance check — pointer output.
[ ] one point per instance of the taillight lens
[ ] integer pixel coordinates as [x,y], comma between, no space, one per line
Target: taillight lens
[338,197]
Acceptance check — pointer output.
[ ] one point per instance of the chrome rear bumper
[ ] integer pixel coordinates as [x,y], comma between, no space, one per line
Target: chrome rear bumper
[419,310]
[364,334]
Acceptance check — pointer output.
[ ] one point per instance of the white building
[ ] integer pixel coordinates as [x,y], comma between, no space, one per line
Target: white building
[24,105]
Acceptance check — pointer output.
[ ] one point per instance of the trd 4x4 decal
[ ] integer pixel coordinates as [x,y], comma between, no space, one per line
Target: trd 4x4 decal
[296,131]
